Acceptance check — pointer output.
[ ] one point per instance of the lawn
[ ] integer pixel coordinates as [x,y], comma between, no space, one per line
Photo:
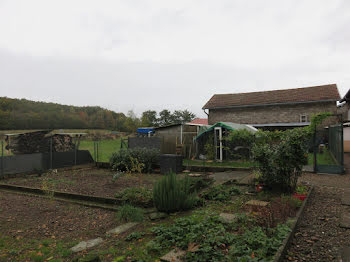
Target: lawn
[322,159]
[105,148]
[187,162]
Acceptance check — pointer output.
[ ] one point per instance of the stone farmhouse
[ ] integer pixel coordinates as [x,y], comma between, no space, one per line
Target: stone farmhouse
[277,109]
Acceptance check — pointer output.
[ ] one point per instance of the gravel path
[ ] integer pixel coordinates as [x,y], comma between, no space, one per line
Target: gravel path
[318,236]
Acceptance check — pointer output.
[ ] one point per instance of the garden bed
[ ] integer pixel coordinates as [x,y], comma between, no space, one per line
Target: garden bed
[228,221]
[33,228]
[94,182]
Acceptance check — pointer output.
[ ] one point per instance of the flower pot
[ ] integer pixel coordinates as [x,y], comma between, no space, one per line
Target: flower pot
[259,187]
[299,196]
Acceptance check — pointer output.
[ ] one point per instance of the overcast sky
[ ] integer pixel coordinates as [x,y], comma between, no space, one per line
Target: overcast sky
[139,55]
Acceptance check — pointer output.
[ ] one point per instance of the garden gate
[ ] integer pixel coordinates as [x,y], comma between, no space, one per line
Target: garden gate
[328,150]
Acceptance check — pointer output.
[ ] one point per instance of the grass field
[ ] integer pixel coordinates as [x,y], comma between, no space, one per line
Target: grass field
[105,148]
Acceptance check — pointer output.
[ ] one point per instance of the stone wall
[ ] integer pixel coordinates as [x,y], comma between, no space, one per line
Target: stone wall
[270,114]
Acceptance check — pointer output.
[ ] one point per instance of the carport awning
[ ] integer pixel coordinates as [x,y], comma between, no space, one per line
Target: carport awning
[226,125]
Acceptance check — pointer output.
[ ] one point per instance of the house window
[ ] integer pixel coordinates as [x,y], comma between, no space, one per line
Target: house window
[303,118]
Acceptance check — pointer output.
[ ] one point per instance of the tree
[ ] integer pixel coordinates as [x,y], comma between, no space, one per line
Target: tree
[149,118]
[182,116]
[164,118]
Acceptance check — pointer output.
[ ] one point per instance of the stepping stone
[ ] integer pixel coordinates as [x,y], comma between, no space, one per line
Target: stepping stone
[195,175]
[346,199]
[157,215]
[227,217]
[257,203]
[122,228]
[87,244]
[345,254]
[174,256]
[345,220]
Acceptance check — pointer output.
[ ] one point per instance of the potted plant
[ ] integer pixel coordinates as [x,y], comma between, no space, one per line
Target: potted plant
[259,186]
[300,192]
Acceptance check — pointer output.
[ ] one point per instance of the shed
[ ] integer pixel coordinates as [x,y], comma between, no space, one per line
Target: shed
[178,138]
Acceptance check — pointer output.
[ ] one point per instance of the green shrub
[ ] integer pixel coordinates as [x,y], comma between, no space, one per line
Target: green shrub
[138,196]
[280,164]
[302,190]
[239,143]
[128,213]
[172,194]
[135,160]
[209,148]
[221,193]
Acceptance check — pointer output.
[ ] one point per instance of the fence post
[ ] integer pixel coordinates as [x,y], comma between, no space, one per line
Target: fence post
[95,152]
[315,152]
[2,159]
[51,152]
[342,143]
[97,144]
[75,153]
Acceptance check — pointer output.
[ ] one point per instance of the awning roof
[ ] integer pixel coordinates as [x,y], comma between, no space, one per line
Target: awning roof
[298,124]
[227,125]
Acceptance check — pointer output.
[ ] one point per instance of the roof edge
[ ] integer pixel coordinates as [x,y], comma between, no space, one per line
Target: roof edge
[272,104]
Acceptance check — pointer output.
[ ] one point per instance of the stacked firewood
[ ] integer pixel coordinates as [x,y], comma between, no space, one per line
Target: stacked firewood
[39,142]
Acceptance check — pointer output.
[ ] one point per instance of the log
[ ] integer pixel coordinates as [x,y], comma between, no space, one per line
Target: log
[39,142]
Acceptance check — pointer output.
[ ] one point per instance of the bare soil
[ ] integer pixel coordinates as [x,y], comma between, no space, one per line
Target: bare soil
[32,228]
[94,182]
[38,218]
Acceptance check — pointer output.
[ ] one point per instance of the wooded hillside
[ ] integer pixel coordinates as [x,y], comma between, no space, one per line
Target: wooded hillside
[26,114]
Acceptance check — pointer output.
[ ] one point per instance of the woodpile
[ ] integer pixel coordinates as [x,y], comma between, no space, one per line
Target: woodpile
[39,142]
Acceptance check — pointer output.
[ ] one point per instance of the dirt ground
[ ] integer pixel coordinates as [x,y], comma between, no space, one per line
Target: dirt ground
[318,236]
[28,220]
[95,182]
[34,217]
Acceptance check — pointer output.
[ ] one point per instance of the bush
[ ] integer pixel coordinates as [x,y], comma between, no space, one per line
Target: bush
[135,160]
[138,196]
[221,193]
[239,143]
[209,147]
[172,194]
[280,163]
[128,213]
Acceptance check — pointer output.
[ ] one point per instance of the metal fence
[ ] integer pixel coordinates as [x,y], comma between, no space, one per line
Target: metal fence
[329,150]
[24,163]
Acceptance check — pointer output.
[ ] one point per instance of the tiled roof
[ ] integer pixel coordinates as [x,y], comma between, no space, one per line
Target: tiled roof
[297,95]
[199,121]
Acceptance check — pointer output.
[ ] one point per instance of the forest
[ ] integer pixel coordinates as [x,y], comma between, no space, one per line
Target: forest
[22,114]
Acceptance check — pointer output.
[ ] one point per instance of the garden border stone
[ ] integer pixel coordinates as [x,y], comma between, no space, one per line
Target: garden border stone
[90,201]
[279,256]
[193,168]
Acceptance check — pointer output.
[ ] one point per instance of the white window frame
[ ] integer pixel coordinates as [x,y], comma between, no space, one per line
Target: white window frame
[302,116]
